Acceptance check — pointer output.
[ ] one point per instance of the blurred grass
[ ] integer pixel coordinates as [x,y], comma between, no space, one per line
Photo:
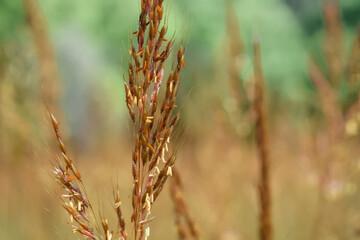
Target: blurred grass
[90,39]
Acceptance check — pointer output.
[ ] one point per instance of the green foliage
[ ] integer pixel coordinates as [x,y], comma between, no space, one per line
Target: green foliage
[350,12]
[106,22]
[284,58]
[11,19]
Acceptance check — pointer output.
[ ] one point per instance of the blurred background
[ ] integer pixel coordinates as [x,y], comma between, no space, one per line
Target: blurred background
[310,55]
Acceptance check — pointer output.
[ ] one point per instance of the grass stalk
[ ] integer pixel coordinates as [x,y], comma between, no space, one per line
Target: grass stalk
[262,141]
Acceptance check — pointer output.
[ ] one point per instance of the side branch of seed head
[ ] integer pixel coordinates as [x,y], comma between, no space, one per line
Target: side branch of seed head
[74,201]
[120,219]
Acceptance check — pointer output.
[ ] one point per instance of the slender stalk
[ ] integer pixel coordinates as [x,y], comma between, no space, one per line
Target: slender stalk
[262,140]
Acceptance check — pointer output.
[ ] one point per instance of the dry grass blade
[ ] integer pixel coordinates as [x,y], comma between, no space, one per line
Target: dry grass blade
[263,147]
[181,210]
[151,114]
